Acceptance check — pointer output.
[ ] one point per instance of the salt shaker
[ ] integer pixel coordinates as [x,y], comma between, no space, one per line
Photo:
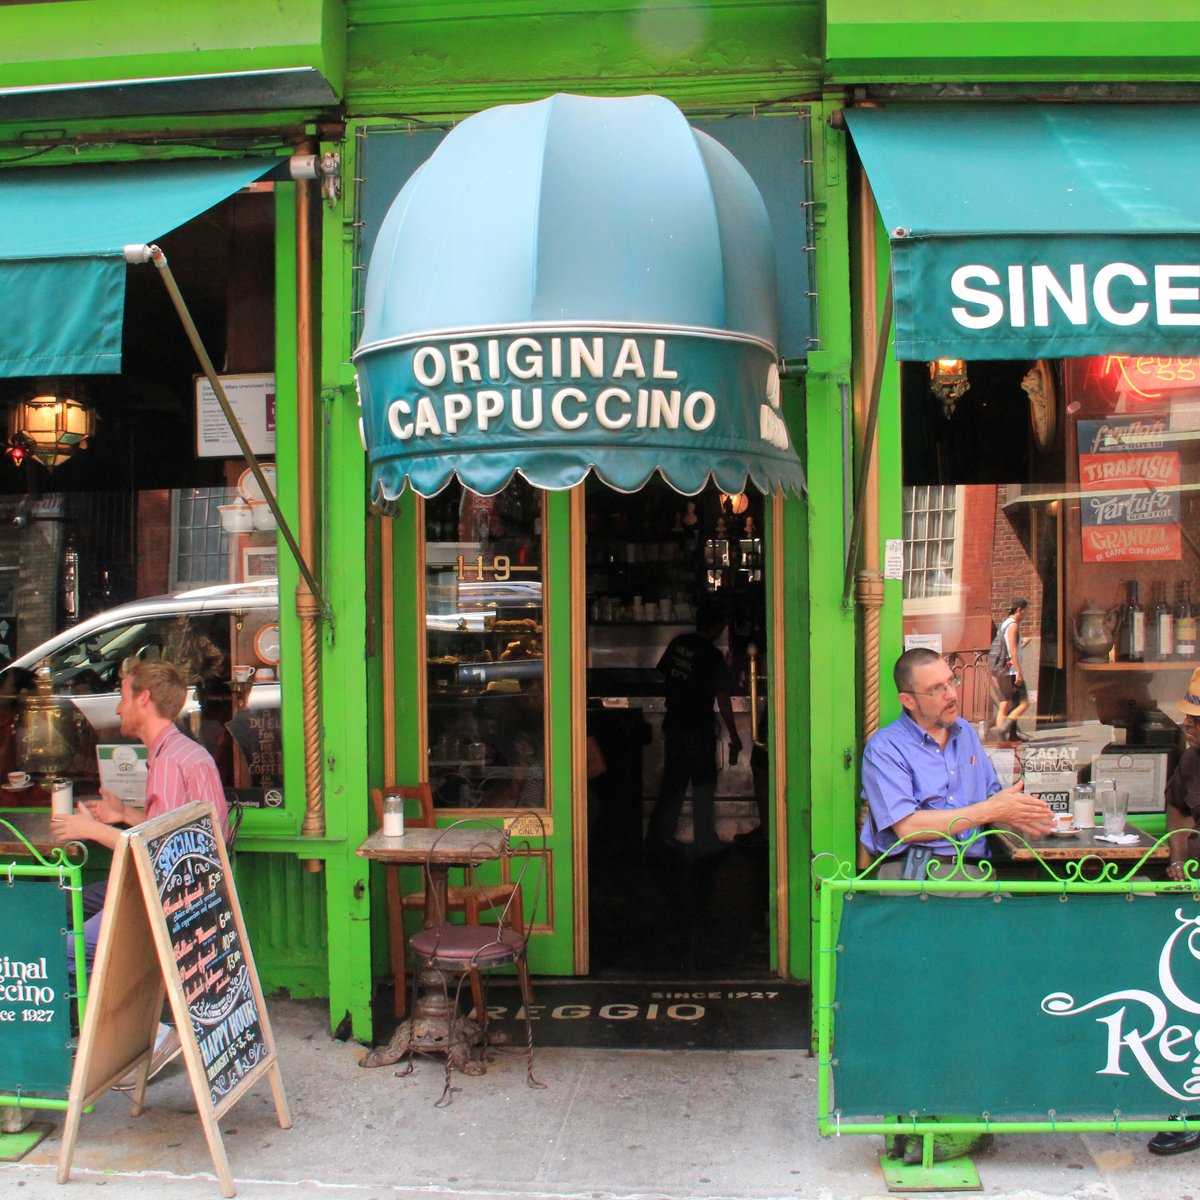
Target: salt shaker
[393,816]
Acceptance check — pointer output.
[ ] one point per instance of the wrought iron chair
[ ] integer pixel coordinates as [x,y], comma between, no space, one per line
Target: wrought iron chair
[500,939]
[464,899]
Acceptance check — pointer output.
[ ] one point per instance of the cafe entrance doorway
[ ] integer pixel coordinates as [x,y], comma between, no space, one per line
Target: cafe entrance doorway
[670,907]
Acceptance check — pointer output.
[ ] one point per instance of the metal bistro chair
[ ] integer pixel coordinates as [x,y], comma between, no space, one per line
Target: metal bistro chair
[500,940]
[471,901]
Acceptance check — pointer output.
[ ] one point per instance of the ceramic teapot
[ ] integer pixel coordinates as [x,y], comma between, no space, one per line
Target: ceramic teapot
[1094,633]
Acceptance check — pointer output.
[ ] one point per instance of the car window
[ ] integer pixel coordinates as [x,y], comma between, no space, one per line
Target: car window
[92,665]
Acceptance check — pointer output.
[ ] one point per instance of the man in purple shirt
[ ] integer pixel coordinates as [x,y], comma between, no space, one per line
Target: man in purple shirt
[927,778]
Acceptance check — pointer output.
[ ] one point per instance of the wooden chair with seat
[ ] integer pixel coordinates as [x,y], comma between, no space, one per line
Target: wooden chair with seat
[472,901]
[469,950]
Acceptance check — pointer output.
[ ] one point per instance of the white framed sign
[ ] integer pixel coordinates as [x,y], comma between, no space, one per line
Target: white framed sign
[252,398]
[123,771]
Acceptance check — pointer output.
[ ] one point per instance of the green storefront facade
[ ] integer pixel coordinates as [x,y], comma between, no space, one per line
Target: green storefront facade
[371,89]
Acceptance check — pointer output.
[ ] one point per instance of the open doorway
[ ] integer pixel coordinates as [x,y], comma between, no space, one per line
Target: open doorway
[689,902]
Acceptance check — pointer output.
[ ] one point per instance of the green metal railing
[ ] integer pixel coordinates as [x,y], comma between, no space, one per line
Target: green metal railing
[65,865]
[1091,875]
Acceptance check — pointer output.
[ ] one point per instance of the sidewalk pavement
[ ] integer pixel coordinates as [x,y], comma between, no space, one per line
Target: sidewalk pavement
[610,1124]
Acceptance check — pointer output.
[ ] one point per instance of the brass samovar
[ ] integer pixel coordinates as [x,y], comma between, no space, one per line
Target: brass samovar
[44,748]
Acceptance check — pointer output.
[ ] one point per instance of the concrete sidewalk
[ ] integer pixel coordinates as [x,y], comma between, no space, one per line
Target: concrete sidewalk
[611,1123]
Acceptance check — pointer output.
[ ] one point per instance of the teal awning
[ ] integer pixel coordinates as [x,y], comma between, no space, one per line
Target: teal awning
[574,285]
[62,236]
[1038,231]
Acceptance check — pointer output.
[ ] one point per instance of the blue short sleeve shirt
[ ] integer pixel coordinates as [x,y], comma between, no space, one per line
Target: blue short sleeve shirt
[904,770]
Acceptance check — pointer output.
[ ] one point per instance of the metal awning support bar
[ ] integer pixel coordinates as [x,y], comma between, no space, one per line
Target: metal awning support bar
[142,254]
[864,467]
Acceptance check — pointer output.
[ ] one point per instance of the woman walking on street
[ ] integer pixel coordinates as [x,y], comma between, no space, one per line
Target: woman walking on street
[1005,665]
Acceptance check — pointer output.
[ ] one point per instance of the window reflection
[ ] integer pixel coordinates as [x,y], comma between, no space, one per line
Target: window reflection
[1077,496]
[484,639]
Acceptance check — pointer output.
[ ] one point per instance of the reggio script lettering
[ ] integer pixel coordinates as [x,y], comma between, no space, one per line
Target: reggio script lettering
[1157,1034]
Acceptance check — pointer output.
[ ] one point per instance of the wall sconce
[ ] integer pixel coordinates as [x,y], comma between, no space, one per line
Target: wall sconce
[51,425]
[948,381]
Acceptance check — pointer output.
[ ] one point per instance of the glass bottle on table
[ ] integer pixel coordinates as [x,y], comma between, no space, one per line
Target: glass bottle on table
[1163,625]
[1185,623]
[1131,630]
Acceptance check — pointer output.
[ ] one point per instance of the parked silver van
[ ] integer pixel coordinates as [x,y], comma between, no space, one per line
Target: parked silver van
[58,702]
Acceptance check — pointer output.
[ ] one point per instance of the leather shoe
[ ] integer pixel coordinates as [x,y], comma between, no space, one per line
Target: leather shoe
[1170,1142]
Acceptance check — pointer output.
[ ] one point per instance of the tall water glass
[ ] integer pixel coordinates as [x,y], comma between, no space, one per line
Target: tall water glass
[1115,808]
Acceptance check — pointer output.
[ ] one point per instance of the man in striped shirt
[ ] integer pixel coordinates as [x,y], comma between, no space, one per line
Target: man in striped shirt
[178,772]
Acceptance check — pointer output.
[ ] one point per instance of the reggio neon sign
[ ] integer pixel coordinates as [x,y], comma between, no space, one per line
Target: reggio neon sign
[1149,377]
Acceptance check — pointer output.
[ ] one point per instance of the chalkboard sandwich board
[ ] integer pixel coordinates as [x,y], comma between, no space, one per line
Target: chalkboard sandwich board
[172,926]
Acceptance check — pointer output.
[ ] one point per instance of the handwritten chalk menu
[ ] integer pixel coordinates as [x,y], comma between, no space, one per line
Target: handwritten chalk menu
[172,927]
[194,891]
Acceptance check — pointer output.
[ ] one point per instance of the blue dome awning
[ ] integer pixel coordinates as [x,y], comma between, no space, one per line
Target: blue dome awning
[570,285]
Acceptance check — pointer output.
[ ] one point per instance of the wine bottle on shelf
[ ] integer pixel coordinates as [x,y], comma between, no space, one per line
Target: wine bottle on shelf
[1185,623]
[1164,625]
[1131,632]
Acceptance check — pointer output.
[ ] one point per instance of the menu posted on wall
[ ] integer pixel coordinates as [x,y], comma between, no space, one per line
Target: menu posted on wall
[205,933]
[1129,490]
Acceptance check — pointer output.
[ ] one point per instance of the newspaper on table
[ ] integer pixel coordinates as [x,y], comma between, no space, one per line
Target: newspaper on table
[123,772]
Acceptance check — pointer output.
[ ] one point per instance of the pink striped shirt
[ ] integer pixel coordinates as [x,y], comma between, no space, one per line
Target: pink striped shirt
[180,771]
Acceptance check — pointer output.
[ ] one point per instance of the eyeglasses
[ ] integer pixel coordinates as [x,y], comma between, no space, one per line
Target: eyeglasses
[942,690]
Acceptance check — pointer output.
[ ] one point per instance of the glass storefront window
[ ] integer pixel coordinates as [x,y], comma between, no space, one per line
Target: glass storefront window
[484,642]
[103,556]
[1074,490]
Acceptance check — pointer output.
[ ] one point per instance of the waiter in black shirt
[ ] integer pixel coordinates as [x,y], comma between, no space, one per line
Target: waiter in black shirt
[695,675]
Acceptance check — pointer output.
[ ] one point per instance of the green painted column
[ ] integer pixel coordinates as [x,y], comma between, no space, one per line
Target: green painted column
[340,479]
[827,661]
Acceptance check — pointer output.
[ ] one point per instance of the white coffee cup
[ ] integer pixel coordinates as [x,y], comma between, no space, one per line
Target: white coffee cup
[265,674]
[1064,822]
[243,673]
[18,778]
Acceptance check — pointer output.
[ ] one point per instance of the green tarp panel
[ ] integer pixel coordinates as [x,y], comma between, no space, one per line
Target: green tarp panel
[62,236]
[1080,1006]
[1038,231]
[35,1007]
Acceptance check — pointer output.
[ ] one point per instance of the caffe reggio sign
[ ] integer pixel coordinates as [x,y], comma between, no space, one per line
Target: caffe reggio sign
[1081,1006]
[554,404]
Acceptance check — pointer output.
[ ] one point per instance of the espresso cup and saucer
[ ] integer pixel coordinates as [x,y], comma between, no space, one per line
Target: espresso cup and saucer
[17,781]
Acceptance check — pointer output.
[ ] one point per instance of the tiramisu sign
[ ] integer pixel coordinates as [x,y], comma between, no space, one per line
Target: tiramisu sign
[1129,490]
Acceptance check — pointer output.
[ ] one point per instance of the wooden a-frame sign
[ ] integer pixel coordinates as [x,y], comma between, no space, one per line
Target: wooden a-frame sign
[172,926]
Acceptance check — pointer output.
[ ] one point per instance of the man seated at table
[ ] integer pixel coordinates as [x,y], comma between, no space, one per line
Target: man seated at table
[178,771]
[1183,807]
[927,777]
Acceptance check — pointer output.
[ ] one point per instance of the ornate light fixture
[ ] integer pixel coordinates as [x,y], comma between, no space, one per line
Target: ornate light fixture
[948,381]
[735,503]
[51,425]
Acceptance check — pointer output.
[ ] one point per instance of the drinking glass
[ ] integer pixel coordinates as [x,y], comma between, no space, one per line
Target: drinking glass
[1115,804]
